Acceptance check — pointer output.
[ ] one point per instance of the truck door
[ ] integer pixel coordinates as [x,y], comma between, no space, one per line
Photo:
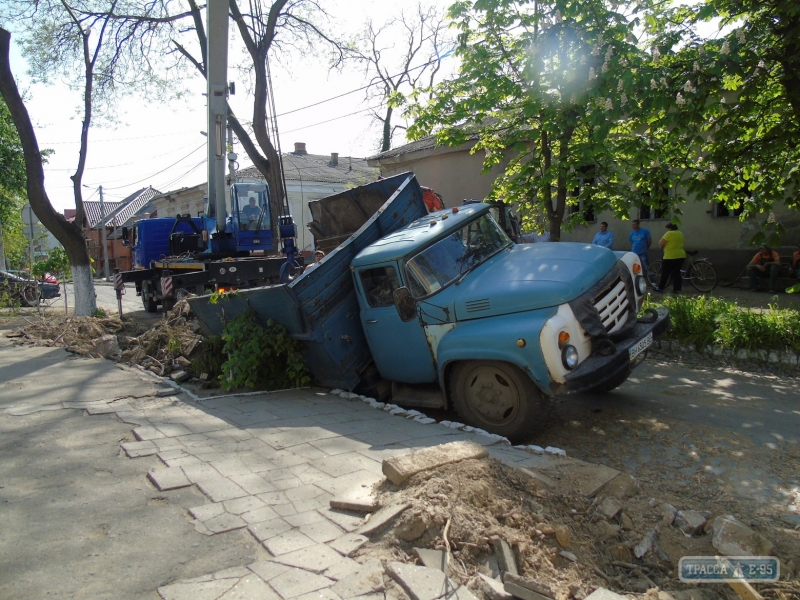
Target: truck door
[400,350]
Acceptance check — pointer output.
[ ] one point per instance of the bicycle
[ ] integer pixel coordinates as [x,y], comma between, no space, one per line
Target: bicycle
[698,271]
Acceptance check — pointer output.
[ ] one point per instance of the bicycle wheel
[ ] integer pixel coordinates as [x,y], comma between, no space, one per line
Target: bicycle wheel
[655,272]
[702,276]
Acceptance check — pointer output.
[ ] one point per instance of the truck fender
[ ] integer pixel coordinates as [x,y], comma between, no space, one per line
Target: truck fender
[509,338]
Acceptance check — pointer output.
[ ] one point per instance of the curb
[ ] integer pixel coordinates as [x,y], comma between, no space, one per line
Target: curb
[742,357]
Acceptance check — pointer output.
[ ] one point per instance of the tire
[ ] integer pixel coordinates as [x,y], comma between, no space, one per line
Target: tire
[655,272]
[498,397]
[612,383]
[703,276]
[149,304]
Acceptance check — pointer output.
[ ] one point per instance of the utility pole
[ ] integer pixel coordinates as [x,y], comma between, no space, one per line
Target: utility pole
[103,224]
[2,250]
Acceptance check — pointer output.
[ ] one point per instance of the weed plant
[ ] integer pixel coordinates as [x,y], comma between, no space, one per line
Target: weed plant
[706,320]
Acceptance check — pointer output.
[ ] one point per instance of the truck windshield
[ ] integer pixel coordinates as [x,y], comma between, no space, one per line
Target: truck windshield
[449,258]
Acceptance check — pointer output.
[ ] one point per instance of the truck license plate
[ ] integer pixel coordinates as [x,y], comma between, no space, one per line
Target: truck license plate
[640,346]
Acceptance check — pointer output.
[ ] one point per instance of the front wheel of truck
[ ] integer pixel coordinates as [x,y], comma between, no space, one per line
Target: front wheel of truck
[498,397]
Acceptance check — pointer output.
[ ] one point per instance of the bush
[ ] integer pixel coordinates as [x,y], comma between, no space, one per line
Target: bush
[704,321]
[261,358]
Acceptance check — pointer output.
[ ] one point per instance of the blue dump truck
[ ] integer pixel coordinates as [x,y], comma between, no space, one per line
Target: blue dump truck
[444,310]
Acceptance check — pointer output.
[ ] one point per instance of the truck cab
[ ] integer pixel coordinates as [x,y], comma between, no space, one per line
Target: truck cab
[250,220]
[451,300]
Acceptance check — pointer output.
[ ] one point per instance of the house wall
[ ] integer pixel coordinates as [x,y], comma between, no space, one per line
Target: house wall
[455,174]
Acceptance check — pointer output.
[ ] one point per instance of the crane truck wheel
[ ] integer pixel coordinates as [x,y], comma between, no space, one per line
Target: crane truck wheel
[150,305]
[498,397]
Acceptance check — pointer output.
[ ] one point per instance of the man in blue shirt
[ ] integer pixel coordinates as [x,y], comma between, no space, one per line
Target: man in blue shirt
[604,237]
[640,240]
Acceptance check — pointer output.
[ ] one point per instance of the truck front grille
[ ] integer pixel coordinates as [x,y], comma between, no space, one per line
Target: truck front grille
[613,306]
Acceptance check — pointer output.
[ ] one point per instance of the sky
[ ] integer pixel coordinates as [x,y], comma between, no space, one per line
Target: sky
[161,145]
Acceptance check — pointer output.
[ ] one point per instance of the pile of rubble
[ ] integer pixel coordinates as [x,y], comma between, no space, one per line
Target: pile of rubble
[504,532]
[166,349]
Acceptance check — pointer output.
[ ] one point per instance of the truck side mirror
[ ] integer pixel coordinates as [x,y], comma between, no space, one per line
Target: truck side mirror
[404,304]
[125,241]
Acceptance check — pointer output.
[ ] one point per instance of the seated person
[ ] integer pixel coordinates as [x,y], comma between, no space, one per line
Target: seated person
[249,215]
[766,263]
[796,263]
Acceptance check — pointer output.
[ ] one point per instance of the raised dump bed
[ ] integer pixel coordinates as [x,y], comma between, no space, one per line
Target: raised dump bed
[320,307]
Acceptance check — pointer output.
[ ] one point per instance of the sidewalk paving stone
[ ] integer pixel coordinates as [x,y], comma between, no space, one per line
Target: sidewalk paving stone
[327,594]
[308,504]
[239,506]
[366,580]
[205,590]
[207,511]
[346,520]
[169,478]
[267,530]
[339,445]
[250,587]
[308,474]
[267,569]
[287,542]
[274,498]
[304,518]
[199,471]
[138,449]
[252,483]
[224,522]
[383,518]
[317,558]
[265,513]
[287,483]
[346,484]
[147,433]
[321,531]
[296,582]
[348,544]
[230,466]
[172,430]
[220,488]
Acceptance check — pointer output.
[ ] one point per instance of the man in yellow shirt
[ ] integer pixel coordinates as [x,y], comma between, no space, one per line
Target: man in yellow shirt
[674,255]
[767,263]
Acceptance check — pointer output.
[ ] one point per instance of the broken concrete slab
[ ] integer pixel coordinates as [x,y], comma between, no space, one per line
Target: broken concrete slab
[368,579]
[604,594]
[609,508]
[315,559]
[363,502]
[147,433]
[530,584]
[505,556]
[731,537]
[520,592]
[219,489]
[434,559]
[21,411]
[690,522]
[646,543]
[399,468]
[138,449]
[207,511]
[168,478]
[179,376]
[224,522]
[346,520]
[383,518]
[296,582]
[668,513]
[621,487]
[348,544]
[493,589]
[423,583]
[165,391]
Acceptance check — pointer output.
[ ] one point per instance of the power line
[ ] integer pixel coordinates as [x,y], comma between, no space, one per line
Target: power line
[142,137]
[133,162]
[186,174]
[119,187]
[329,120]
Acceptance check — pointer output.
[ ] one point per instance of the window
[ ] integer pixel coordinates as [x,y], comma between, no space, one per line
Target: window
[649,213]
[720,210]
[379,283]
[442,263]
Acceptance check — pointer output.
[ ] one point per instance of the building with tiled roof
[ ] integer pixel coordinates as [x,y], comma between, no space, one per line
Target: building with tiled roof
[94,212]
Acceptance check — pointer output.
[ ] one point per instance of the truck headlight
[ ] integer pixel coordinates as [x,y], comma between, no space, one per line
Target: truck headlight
[641,285]
[569,356]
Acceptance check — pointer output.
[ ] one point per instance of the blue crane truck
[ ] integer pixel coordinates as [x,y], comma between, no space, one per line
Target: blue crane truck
[444,310]
[175,257]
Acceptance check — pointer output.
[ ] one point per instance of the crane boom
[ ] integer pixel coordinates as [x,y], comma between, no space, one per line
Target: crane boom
[217,87]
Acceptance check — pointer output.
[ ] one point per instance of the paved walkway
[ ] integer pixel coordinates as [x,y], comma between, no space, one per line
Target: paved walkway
[267,466]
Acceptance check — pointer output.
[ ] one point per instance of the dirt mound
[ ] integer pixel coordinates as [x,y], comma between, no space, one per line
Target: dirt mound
[563,540]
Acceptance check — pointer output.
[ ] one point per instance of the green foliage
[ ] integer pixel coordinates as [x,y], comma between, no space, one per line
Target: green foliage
[100,313]
[57,262]
[261,358]
[705,321]
[174,346]
[9,300]
[216,296]
[553,92]
[210,357]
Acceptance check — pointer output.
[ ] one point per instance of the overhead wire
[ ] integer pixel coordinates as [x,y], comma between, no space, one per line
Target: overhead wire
[119,187]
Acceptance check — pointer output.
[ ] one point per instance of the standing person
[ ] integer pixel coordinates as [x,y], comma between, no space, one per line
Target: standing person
[318,256]
[604,237]
[640,240]
[767,263]
[674,255]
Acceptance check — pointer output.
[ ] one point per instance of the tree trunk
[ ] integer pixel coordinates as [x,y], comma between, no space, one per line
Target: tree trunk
[387,130]
[69,234]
